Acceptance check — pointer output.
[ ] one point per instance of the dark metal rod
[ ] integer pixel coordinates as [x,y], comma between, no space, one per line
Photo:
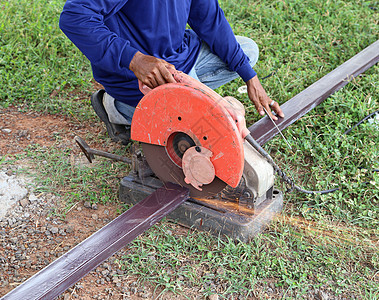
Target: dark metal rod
[264,130]
[54,279]
[109,155]
[89,152]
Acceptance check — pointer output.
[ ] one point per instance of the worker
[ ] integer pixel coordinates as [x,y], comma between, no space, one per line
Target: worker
[131,40]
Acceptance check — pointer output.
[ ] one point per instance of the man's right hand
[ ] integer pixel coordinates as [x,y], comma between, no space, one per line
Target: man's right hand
[151,71]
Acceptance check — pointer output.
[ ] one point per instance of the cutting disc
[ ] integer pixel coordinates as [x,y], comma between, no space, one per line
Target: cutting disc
[168,171]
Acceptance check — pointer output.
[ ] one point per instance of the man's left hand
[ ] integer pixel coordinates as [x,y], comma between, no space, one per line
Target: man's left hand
[258,95]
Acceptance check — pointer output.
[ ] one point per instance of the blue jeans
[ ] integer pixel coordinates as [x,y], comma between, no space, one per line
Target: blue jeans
[208,69]
[213,72]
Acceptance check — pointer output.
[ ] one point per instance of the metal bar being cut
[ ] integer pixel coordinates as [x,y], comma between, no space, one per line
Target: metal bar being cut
[264,130]
[75,264]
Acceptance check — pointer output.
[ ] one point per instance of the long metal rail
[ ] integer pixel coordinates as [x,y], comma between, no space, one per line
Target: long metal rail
[54,279]
[264,130]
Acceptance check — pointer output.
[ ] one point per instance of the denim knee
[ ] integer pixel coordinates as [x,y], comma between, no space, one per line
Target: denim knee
[250,48]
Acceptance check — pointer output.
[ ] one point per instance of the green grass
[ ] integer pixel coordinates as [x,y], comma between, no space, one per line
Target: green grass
[39,67]
[74,181]
[322,242]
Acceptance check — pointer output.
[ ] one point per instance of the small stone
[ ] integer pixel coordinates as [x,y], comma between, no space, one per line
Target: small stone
[24,202]
[106,212]
[9,172]
[32,197]
[322,295]
[87,204]
[79,208]
[213,297]
[54,230]
[23,133]
[94,216]
[6,130]
[94,206]
[106,266]
[145,295]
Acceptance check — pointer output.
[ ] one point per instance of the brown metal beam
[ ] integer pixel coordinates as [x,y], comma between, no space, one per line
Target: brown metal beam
[264,130]
[75,264]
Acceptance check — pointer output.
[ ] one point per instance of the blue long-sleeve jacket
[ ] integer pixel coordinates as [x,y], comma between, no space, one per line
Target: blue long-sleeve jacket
[110,32]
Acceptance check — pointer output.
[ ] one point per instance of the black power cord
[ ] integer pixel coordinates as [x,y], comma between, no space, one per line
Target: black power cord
[284,176]
[269,75]
[361,121]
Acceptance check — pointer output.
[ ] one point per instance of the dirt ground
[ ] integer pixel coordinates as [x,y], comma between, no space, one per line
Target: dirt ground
[19,129]
[44,238]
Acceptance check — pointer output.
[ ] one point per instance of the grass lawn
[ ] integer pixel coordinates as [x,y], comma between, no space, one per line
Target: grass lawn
[325,243]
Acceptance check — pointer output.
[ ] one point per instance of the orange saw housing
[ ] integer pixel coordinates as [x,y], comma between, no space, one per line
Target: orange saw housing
[193,109]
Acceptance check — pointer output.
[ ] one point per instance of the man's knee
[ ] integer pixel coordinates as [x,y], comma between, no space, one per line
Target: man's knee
[250,48]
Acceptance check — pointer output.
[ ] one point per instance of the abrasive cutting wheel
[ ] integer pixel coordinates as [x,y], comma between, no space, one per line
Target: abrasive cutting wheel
[168,171]
[190,136]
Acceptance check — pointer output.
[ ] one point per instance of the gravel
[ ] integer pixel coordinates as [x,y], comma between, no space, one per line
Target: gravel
[31,237]
[18,231]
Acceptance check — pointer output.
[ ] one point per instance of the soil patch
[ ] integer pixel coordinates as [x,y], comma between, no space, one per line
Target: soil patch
[19,130]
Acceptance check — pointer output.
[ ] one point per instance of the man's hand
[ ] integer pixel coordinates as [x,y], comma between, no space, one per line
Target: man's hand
[258,95]
[151,71]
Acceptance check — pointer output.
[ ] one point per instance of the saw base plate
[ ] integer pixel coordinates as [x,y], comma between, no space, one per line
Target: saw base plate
[217,216]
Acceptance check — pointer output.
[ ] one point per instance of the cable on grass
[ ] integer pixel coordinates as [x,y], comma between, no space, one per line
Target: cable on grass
[360,122]
[269,75]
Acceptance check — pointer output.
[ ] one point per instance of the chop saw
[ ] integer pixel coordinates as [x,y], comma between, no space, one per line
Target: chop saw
[193,137]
